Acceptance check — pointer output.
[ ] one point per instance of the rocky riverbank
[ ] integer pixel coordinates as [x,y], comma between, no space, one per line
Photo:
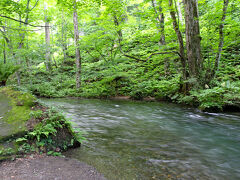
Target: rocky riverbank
[30,131]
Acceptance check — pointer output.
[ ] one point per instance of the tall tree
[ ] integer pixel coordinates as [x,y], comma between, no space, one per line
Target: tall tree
[4,52]
[22,38]
[160,19]
[47,40]
[180,42]
[158,10]
[63,38]
[76,39]
[221,42]
[193,38]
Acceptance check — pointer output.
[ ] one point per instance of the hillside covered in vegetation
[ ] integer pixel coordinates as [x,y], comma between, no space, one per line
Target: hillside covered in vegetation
[180,51]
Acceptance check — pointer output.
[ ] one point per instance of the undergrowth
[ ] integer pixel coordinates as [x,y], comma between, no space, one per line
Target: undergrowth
[124,77]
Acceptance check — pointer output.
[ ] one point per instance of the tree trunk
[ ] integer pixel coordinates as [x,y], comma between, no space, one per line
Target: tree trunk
[22,38]
[64,48]
[180,41]
[179,11]
[160,18]
[119,32]
[3,83]
[20,46]
[161,29]
[4,53]
[47,40]
[76,38]
[162,26]
[221,39]
[193,38]
[9,44]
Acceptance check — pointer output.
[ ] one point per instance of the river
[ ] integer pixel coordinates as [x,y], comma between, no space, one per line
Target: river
[152,140]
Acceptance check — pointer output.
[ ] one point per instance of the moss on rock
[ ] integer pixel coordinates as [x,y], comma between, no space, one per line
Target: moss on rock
[21,103]
[34,127]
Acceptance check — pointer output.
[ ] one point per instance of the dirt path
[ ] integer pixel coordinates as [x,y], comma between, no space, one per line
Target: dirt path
[47,168]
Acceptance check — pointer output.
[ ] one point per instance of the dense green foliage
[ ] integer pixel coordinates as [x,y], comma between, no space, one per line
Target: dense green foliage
[52,134]
[6,70]
[122,51]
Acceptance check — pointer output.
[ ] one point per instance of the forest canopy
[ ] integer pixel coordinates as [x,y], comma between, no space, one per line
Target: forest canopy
[185,51]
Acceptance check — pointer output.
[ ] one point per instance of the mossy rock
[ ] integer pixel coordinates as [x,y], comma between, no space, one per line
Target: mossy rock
[33,126]
[14,121]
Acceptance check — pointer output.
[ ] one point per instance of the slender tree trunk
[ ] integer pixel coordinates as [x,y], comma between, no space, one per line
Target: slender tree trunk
[161,29]
[193,38]
[20,46]
[160,18]
[162,37]
[162,25]
[9,44]
[76,38]
[4,53]
[119,32]
[22,38]
[221,38]
[47,40]
[180,41]
[63,40]
[179,11]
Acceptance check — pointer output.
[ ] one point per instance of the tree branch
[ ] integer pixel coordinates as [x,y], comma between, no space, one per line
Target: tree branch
[153,54]
[132,57]
[20,21]
[172,52]
[19,29]
[221,35]
[34,6]
[90,54]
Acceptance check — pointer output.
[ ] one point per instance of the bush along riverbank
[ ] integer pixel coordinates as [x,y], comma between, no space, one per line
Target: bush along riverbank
[34,128]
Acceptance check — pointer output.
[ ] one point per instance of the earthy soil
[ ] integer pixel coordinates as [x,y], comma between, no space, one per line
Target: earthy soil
[41,167]
[121,98]
[127,98]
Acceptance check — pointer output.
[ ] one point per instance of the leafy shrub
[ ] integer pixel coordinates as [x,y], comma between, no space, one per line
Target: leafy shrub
[53,131]
[166,89]
[190,100]
[5,71]
[217,97]
[143,89]
[210,98]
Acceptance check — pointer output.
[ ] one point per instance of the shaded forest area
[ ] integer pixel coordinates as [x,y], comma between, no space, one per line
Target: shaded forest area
[184,51]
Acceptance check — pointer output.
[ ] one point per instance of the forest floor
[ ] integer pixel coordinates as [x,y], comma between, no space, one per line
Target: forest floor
[42,167]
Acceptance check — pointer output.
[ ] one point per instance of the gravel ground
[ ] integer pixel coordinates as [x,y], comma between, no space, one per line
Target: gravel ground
[41,167]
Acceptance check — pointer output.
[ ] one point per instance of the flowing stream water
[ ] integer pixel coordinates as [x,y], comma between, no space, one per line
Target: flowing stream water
[151,140]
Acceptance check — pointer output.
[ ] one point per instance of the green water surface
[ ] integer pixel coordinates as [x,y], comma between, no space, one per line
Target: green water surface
[150,140]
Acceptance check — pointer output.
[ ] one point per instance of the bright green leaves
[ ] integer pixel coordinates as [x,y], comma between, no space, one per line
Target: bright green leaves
[9,6]
[7,70]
